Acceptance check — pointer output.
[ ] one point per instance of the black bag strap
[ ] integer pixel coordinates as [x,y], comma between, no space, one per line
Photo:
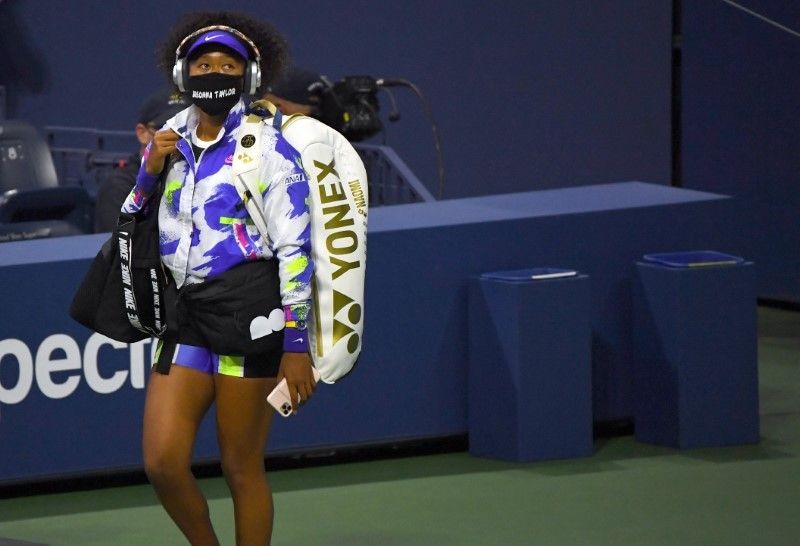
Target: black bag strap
[125,232]
[126,229]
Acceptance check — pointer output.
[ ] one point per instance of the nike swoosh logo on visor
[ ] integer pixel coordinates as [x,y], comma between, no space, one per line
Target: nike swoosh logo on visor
[207,38]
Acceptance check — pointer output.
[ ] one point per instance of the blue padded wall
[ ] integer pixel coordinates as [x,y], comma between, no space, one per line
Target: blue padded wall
[57,384]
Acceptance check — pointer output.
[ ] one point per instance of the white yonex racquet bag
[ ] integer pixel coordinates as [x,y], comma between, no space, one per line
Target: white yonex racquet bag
[338,204]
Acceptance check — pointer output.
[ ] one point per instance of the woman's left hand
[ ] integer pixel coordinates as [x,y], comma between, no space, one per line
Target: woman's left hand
[296,368]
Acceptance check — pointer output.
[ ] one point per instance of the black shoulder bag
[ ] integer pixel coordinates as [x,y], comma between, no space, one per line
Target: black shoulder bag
[126,294]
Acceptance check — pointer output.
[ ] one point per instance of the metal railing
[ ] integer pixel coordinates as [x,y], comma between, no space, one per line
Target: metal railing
[83,156]
[390,181]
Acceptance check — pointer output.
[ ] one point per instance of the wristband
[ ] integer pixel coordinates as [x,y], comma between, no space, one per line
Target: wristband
[295,340]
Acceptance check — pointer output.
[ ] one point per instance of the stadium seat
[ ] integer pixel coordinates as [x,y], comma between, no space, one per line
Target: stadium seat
[29,190]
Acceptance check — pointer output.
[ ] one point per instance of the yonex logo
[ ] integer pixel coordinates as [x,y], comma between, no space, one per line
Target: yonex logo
[353,316]
[342,243]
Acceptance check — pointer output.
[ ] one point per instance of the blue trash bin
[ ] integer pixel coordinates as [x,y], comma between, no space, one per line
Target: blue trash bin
[696,369]
[530,383]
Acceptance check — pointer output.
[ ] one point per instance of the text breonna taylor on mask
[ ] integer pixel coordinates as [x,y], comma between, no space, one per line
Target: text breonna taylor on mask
[214,94]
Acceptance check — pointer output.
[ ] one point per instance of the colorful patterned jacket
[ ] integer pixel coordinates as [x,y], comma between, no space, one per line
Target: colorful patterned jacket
[205,229]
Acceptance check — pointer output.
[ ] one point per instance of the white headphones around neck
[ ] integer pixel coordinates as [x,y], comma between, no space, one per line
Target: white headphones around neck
[252,71]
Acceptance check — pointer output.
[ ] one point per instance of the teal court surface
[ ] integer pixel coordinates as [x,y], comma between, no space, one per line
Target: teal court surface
[626,494]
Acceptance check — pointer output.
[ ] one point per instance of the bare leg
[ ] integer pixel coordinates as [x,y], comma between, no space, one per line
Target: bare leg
[174,407]
[243,420]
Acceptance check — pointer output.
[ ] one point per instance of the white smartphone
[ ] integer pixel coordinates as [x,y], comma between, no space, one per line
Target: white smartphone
[279,397]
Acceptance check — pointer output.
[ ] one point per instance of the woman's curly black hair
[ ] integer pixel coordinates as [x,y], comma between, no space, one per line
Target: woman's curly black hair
[272,46]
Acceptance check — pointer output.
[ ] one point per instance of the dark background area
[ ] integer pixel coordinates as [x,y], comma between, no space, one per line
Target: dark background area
[528,95]
[741,126]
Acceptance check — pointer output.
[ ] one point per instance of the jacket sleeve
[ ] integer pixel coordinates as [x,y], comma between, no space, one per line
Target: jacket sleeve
[145,184]
[289,229]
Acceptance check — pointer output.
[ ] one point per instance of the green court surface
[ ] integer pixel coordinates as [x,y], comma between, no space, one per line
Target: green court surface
[627,493]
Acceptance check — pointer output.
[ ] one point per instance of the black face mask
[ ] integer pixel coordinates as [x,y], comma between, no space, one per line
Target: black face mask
[215,93]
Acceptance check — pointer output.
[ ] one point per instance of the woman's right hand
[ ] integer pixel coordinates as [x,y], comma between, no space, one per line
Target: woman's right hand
[163,144]
[297,369]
